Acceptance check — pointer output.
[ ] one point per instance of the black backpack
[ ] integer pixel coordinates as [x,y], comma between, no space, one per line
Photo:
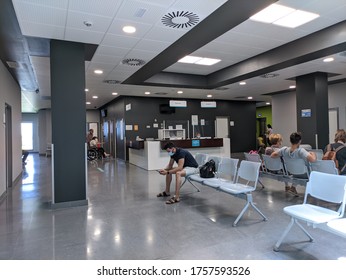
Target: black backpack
[208,169]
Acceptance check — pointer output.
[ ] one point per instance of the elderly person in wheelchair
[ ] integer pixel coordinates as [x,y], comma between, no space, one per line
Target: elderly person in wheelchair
[96,151]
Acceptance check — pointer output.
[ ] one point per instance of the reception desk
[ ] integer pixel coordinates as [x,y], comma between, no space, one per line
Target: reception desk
[152,157]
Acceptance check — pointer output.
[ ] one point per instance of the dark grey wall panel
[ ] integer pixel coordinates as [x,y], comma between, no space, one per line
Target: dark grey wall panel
[68,120]
[146,111]
[312,94]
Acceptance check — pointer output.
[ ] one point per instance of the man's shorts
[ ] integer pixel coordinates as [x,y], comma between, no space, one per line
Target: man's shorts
[191,170]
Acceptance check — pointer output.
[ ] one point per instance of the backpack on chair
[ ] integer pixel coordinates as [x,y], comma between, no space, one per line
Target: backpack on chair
[208,169]
[330,154]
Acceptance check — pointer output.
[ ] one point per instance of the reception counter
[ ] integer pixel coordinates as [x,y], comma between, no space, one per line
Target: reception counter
[152,157]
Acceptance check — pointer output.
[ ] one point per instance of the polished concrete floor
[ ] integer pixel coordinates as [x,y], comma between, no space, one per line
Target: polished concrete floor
[125,220]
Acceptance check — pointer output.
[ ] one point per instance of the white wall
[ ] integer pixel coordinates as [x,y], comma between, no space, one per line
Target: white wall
[337,99]
[284,115]
[10,94]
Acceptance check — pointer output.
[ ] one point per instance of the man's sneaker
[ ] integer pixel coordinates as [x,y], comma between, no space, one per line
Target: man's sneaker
[293,191]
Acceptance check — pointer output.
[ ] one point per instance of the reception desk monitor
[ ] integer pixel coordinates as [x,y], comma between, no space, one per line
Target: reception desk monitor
[196,143]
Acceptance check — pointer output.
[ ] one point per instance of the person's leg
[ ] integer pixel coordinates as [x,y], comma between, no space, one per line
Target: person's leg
[24,156]
[168,183]
[178,176]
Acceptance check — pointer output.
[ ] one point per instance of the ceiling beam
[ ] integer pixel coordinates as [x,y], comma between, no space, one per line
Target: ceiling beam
[226,17]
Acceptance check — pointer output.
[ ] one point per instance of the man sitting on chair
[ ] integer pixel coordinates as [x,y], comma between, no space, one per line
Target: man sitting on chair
[295,152]
[187,165]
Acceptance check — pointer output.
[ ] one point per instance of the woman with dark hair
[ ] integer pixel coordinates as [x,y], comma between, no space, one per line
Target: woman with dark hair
[340,148]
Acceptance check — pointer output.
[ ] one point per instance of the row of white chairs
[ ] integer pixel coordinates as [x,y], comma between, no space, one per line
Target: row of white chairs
[295,171]
[238,182]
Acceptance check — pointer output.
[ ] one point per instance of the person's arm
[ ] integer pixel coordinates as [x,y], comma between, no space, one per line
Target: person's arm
[275,154]
[311,157]
[168,167]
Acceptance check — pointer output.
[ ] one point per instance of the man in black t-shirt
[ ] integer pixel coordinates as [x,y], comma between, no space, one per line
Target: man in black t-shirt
[187,165]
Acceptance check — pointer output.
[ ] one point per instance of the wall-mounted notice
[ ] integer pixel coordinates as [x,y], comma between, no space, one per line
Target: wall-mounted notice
[208,104]
[202,121]
[306,113]
[177,103]
[135,127]
[194,119]
[128,107]
[156,125]
[128,127]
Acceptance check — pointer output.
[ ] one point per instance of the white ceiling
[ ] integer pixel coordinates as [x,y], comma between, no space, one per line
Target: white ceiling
[63,20]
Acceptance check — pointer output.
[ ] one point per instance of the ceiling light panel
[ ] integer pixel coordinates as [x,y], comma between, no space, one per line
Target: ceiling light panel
[272,13]
[296,19]
[207,61]
[189,59]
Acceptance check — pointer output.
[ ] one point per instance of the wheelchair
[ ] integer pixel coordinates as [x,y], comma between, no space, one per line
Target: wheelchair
[94,154]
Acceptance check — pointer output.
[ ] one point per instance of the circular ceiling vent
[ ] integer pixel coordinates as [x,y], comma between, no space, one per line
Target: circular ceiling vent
[180,19]
[269,75]
[133,62]
[111,82]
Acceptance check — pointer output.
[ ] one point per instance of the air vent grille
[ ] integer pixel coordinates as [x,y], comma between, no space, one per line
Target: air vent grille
[133,62]
[111,82]
[180,19]
[269,75]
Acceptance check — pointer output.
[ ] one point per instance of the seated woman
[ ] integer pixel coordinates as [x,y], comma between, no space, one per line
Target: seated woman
[94,143]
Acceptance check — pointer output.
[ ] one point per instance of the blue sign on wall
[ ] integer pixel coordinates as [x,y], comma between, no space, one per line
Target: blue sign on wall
[196,143]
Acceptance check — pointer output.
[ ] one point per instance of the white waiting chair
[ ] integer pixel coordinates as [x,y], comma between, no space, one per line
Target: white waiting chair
[322,186]
[297,170]
[274,168]
[244,185]
[197,178]
[201,158]
[318,152]
[325,166]
[49,150]
[226,172]
[255,158]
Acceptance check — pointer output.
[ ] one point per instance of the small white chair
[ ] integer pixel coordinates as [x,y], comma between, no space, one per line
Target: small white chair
[197,178]
[255,158]
[226,172]
[244,185]
[326,187]
[201,158]
[273,165]
[325,166]
[49,150]
[297,170]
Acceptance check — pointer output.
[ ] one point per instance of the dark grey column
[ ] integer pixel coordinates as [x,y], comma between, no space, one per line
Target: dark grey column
[68,122]
[312,94]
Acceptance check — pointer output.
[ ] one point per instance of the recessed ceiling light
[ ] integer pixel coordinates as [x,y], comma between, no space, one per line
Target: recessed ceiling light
[179,91]
[97,71]
[242,83]
[209,95]
[147,92]
[292,86]
[328,59]
[207,61]
[272,13]
[129,29]
[199,60]
[250,97]
[189,59]
[114,93]
[267,103]
[296,19]
[86,90]
[95,96]
[284,16]
[87,103]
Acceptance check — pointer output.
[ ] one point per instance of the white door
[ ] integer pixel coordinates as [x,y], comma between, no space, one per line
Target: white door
[333,123]
[222,127]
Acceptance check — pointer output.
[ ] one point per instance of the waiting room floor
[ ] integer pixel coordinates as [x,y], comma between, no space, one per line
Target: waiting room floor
[125,220]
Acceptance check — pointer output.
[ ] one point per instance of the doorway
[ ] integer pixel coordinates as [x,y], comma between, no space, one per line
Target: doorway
[222,127]
[8,145]
[333,123]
